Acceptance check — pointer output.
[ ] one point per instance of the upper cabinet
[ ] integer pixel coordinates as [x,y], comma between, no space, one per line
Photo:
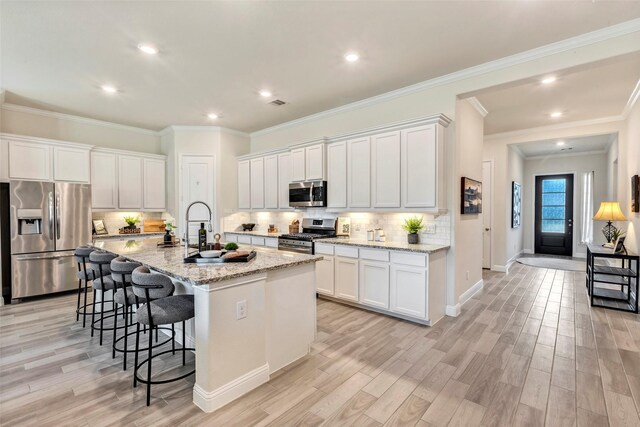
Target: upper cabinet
[271,189]
[422,168]
[298,165]
[385,170]
[257,183]
[359,172]
[337,175]
[43,160]
[284,179]
[244,184]
[104,180]
[130,182]
[314,161]
[154,187]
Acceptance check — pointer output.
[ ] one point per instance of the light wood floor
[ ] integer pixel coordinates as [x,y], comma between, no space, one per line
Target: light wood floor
[528,350]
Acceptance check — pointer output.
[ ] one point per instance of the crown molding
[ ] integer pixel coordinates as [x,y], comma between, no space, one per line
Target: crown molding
[77,119]
[569,44]
[129,153]
[633,98]
[475,103]
[576,154]
[48,141]
[174,128]
[439,119]
[559,126]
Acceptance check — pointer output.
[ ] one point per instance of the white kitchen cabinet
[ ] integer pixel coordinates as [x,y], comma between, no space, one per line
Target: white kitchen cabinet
[337,175]
[257,241]
[325,278]
[30,160]
[230,237]
[271,242]
[104,180]
[346,278]
[257,183]
[129,182]
[385,170]
[244,239]
[154,186]
[409,291]
[359,173]
[284,179]
[271,189]
[314,162]
[298,165]
[374,283]
[244,184]
[71,164]
[422,171]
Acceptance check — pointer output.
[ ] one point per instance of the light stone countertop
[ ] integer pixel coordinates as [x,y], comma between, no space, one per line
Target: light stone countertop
[256,233]
[389,245]
[169,261]
[149,234]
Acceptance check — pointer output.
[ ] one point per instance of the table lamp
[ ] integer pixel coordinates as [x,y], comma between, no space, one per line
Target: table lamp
[609,211]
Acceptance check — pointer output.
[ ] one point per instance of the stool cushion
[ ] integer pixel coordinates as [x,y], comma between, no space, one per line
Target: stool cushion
[131,297]
[104,283]
[120,266]
[83,251]
[167,310]
[89,276]
[141,277]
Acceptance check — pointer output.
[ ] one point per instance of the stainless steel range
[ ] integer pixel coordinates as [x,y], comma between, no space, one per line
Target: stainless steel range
[312,230]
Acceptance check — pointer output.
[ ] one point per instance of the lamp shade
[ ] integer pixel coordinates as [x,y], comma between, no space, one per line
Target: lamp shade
[609,211]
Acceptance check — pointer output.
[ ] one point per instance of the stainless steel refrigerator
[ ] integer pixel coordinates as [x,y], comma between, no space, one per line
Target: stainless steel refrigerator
[48,221]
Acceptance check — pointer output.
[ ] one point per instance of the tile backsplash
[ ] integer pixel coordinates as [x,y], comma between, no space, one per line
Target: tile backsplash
[115,220]
[360,223]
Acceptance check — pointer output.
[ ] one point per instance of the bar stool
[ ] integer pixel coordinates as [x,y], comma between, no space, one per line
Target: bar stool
[100,264]
[84,275]
[159,311]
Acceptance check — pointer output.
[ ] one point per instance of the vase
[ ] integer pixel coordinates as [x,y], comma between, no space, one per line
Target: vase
[412,238]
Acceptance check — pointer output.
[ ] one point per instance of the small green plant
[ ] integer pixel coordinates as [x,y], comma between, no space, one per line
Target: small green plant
[231,246]
[617,232]
[169,226]
[413,225]
[131,220]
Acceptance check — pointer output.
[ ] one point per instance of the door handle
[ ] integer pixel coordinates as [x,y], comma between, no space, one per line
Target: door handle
[50,215]
[57,216]
[487,229]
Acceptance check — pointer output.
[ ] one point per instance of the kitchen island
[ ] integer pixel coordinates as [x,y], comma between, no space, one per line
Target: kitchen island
[238,349]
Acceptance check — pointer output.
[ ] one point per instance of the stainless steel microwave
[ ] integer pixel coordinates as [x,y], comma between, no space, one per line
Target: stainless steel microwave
[308,194]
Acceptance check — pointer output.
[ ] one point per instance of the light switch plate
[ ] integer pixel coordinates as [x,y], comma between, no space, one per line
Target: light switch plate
[430,229]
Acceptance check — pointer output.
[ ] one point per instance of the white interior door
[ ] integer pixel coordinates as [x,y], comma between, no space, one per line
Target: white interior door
[197,176]
[487,202]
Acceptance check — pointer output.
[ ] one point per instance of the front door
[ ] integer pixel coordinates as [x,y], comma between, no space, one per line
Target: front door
[554,215]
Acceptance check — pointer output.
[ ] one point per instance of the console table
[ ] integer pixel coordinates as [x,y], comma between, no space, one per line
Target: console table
[613,286]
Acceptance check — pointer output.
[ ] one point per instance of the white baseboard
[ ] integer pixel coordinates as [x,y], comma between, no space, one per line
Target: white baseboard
[500,268]
[455,310]
[209,401]
[505,268]
[528,251]
[452,310]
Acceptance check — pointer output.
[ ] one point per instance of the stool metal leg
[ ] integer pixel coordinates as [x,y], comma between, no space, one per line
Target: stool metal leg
[173,340]
[101,315]
[93,313]
[115,327]
[184,343]
[126,334]
[78,304]
[149,359]
[135,357]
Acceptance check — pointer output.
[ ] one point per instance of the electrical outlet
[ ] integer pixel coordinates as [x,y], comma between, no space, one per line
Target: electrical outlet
[430,229]
[241,309]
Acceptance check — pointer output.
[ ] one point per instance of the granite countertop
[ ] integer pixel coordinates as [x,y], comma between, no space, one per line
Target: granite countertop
[118,235]
[256,233]
[169,261]
[390,245]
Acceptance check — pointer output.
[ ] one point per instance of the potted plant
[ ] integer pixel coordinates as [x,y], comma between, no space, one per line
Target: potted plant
[131,221]
[413,226]
[168,236]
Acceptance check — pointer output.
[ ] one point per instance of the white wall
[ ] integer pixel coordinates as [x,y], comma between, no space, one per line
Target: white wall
[514,236]
[629,165]
[576,164]
[39,123]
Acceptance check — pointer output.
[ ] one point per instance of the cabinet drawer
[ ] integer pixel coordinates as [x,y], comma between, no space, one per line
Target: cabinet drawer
[271,242]
[244,239]
[346,251]
[324,249]
[374,255]
[417,260]
[257,241]
[231,237]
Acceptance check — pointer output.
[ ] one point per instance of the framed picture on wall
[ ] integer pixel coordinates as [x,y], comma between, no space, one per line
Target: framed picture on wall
[635,193]
[516,204]
[471,195]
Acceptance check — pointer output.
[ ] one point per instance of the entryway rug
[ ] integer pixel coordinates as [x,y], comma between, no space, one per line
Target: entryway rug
[555,263]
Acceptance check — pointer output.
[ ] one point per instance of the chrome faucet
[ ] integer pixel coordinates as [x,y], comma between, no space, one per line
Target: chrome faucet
[187,221]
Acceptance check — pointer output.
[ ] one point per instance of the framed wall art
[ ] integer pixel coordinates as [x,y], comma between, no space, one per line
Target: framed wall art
[516,204]
[635,193]
[471,195]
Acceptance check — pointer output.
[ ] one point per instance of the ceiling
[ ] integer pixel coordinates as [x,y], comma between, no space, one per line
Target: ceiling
[593,91]
[216,56]
[591,144]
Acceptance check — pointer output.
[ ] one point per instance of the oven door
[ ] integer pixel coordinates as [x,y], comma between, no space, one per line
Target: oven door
[302,247]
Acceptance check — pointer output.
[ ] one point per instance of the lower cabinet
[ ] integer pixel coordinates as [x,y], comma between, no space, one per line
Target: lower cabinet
[374,284]
[247,239]
[325,279]
[409,290]
[346,278]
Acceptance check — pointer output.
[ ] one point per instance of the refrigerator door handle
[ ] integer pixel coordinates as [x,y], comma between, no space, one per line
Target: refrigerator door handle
[50,215]
[57,216]
[39,257]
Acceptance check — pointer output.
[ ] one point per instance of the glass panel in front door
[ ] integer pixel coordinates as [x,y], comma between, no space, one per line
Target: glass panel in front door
[553,205]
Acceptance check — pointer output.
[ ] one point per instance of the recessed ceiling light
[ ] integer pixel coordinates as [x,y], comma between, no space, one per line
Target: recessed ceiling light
[548,80]
[148,49]
[265,94]
[212,116]
[109,89]
[560,143]
[351,57]
[556,114]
